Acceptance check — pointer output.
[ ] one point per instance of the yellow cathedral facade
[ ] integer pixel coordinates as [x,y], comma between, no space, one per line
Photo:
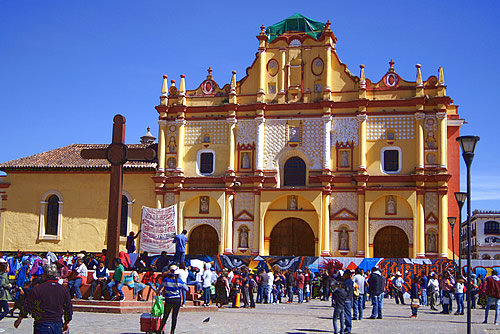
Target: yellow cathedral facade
[298,157]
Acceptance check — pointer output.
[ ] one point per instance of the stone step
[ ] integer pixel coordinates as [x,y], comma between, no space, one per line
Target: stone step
[131,307]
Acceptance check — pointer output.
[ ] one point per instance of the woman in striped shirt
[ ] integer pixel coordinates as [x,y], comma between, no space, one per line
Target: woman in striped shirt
[171,288]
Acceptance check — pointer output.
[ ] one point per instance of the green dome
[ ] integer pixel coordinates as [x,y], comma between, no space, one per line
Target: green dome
[296,22]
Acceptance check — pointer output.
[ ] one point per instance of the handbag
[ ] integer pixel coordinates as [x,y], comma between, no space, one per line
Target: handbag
[415,303]
[158,307]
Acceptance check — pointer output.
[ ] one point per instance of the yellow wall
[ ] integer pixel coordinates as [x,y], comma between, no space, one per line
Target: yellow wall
[84,210]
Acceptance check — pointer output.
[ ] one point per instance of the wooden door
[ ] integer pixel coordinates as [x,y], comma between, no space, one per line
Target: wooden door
[203,240]
[391,242]
[292,237]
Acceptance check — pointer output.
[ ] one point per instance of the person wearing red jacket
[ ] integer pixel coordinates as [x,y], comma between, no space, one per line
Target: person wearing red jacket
[493,292]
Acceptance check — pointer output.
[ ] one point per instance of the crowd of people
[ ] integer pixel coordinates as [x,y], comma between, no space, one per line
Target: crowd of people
[349,291]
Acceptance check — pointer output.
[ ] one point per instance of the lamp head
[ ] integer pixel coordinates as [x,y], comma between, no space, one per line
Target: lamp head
[460,197]
[451,221]
[468,143]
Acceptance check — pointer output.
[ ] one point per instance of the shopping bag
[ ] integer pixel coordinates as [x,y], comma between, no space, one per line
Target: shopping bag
[158,309]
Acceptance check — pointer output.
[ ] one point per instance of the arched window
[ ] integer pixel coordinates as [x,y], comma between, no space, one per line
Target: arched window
[51,206]
[124,217]
[295,172]
[491,227]
[52,215]
[486,257]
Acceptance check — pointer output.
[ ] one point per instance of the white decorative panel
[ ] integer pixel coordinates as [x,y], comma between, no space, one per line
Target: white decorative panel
[430,123]
[312,141]
[191,223]
[195,130]
[244,201]
[405,224]
[246,132]
[403,126]
[274,141]
[169,199]
[336,225]
[344,200]
[431,204]
[345,130]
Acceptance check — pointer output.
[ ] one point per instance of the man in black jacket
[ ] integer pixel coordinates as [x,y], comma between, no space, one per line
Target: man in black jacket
[376,288]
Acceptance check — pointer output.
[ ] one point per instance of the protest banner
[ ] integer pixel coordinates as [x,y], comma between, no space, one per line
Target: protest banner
[158,229]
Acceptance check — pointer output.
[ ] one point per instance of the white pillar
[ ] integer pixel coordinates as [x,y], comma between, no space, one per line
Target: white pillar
[259,151]
[327,149]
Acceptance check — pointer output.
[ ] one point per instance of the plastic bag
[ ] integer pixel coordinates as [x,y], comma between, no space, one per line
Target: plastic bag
[158,309]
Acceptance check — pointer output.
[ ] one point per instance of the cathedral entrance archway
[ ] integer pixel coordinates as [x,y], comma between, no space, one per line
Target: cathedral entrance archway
[292,237]
[391,242]
[204,240]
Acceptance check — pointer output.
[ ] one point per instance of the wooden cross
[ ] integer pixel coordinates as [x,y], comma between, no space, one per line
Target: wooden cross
[117,153]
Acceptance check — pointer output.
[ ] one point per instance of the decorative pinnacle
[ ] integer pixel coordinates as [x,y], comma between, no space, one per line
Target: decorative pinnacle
[441,77]
[209,76]
[164,87]
[182,87]
[262,29]
[391,63]
[172,83]
[233,80]
[420,83]
[327,25]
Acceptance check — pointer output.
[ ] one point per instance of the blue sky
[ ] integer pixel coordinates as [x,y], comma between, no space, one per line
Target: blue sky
[67,67]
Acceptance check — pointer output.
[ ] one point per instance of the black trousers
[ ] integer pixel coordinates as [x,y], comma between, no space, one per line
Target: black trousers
[171,304]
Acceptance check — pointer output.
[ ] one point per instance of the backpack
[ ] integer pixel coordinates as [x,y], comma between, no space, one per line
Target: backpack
[356,290]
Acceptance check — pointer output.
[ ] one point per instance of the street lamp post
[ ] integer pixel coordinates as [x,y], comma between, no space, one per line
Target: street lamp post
[451,221]
[460,197]
[468,144]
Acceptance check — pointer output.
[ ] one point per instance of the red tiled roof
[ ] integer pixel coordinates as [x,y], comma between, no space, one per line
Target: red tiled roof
[68,157]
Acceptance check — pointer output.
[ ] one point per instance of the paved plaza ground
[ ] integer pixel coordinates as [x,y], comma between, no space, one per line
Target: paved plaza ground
[308,318]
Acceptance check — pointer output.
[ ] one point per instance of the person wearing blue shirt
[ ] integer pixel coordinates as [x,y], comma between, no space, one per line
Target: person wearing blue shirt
[180,241]
[171,288]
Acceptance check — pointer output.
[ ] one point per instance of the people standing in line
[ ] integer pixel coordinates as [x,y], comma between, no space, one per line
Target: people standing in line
[325,285]
[433,291]
[459,295]
[48,303]
[493,293]
[5,297]
[397,283]
[222,289]
[183,275]
[474,290]
[207,283]
[101,277]
[376,287]
[446,286]
[80,279]
[424,281]
[339,296]
[171,287]
[180,242]
[415,296]
[290,284]
[130,245]
[251,286]
[268,290]
[299,283]
[245,293]
[118,278]
[358,302]
[262,279]
[349,289]
[307,284]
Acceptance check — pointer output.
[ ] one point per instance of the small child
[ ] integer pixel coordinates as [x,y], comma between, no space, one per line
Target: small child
[275,295]
[446,302]
[339,296]
[414,295]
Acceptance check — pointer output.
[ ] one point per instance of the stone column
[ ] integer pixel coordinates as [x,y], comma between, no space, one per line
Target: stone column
[419,116]
[362,118]
[281,72]
[419,241]
[180,206]
[181,123]
[328,72]
[231,140]
[441,116]
[259,150]
[443,223]
[327,146]
[363,228]
[162,124]
[325,251]
[229,224]
[256,224]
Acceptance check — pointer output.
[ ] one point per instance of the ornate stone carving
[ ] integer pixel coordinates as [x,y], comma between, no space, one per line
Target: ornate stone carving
[345,130]
[274,142]
[312,141]
[238,226]
[191,223]
[405,224]
[244,201]
[169,199]
[402,126]
[335,226]
[196,130]
[344,200]
[431,204]
[246,132]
